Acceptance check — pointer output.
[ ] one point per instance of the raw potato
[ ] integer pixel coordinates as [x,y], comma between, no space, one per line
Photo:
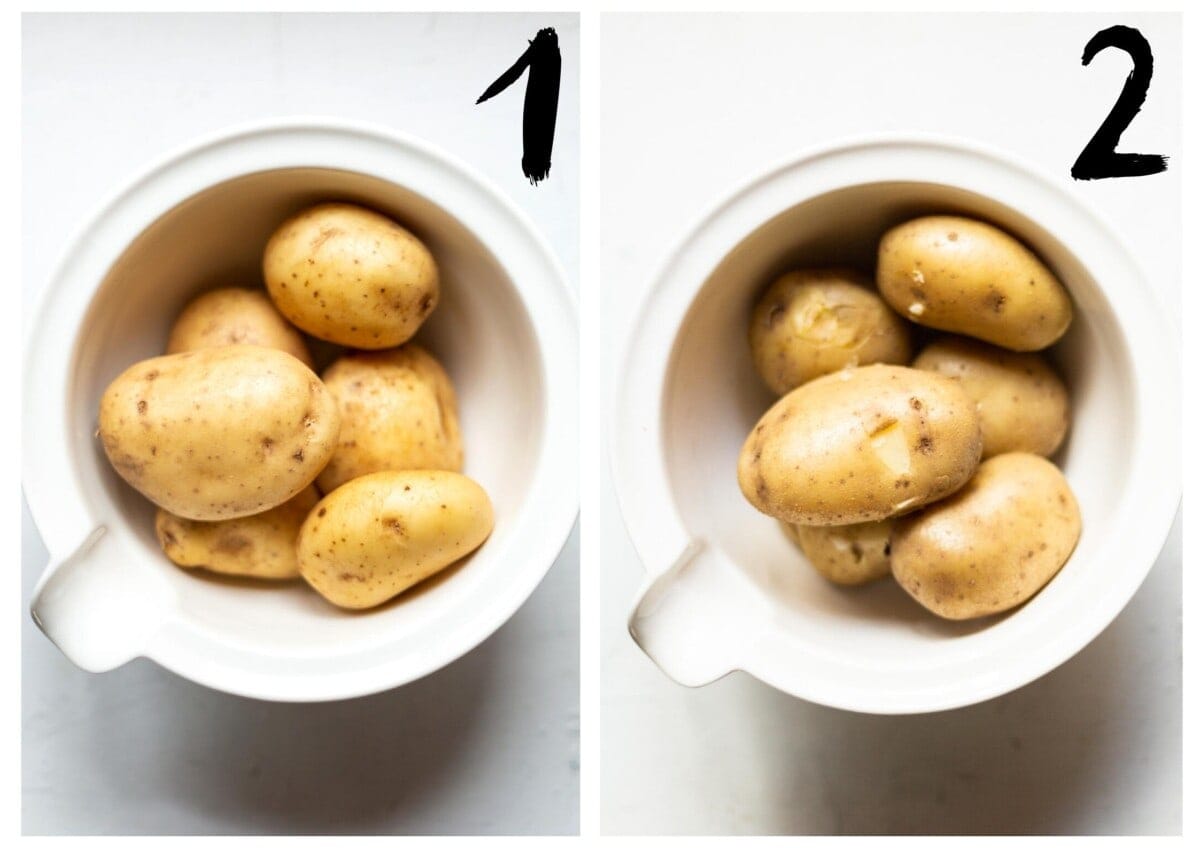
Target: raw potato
[398,412]
[814,322]
[969,277]
[993,545]
[349,275]
[863,444]
[1023,405]
[850,555]
[376,536]
[262,545]
[235,316]
[219,433]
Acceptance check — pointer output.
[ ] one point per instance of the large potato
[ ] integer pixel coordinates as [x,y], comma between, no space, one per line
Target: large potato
[1023,405]
[992,545]
[376,536]
[969,277]
[235,316]
[218,433]
[850,555]
[349,275]
[398,412]
[814,322]
[863,444]
[261,545]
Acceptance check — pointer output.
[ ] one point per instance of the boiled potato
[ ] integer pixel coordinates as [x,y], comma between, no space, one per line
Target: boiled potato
[863,444]
[398,412]
[218,433]
[850,555]
[377,535]
[992,545]
[1022,403]
[349,275]
[814,322]
[261,545]
[235,316]
[968,277]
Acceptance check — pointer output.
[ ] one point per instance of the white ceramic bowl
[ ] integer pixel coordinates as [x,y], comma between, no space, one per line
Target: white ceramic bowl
[727,590]
[505,330]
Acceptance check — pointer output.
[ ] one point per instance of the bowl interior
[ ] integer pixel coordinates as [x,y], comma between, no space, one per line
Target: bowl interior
[480,331]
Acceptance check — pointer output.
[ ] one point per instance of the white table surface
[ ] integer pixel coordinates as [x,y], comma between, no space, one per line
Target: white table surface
[689,107]
[487,745]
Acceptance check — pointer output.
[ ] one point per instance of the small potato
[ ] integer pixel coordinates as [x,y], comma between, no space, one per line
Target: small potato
[994,544]
[850,555]
[814,322]
[398,412]
[235,316]
[218,433]
[1023,405]
[863,444]
[261,545]
[968,277]
[376,536]
[352,276]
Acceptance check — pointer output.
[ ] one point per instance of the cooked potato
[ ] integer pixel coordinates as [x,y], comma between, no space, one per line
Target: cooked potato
[218,433]
[235,316]
[969,277]
[850,555]
[1023,405]
[352,276]
[992,545]
[261,545]
[376,536]
[863,444]
[814,322]
[398,412]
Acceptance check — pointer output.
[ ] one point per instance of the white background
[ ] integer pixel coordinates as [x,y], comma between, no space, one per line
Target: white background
[689,108]
[489,744]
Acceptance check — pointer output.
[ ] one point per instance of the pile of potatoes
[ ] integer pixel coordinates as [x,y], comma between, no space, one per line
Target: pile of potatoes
[235,438]
[931,469]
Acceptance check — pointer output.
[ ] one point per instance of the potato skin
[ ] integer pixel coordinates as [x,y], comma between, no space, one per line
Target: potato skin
[813,322]
[850,555]
[968,277]
[218,433]
[351,276]
[994,544]
[1023,405]
[398,412]
[261,545]
[235,316]
[863,444]
[374,537]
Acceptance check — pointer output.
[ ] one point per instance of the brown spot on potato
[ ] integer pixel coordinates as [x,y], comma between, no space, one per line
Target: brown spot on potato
[141,407]
[232,543]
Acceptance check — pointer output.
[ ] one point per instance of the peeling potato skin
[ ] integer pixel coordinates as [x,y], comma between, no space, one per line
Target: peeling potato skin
[374,537]
[218,433]
[261,545]
[398,412]
[860,445]
[968,277]
[850,555]
[235,316]
[994,544]
[351,276]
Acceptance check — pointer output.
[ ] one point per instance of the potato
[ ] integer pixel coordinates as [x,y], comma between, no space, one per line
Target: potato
[398,412]
[218,433]
[994,544]
[850,555]
[971,278]
[261,545]
[814,322]
[863,444]
[1023,405]
[376,536]
[349,275]
[235,316]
